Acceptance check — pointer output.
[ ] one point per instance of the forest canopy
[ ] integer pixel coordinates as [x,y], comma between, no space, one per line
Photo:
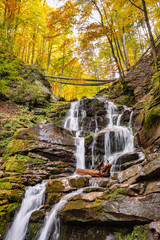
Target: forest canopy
[99,39]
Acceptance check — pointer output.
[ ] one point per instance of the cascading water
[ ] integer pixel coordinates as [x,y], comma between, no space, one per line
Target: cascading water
[33,200]
[118,139]
[52,222]
[94,158]
[74,122]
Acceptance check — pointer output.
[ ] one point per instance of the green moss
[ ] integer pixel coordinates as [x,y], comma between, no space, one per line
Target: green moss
[113,193]
[16,146]
[138,233]
[15,165]
[88,139]
[53,198]
[55,186]
[152,117]
[33,229]
[73,205]
[6,185]
[79,182]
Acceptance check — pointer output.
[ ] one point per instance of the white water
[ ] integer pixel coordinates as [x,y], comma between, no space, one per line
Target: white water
[94,158]
[52,222]
[118,139]
[72,122]
[33,200]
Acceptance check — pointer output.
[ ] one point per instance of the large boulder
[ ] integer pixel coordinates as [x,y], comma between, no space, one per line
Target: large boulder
[48,140]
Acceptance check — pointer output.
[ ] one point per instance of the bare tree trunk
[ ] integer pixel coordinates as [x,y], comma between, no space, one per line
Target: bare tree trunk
[121,54]
[119,59]
[125,49]
[154,52]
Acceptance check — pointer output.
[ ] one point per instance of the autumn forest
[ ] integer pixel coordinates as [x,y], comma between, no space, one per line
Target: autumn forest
[82,39]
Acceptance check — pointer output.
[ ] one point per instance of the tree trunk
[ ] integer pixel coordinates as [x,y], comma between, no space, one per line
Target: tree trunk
[119,58]
[153,47]
[93,173]
[125,49]
[103,171]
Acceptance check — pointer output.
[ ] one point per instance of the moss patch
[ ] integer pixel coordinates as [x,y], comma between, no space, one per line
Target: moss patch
[55,186]
[115,192]
[79,182]
[16,146]
[152,117]
[138,233]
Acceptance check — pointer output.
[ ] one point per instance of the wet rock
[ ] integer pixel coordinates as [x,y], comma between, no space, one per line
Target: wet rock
[155,226]
[154,231]
[53,198]
[137,189]
[49,133]
[1,174]
[125,117]
[99,182]
[92,196]
[138,209]
[137,173]
[79,182]
[55,186]
[147,125]
[152,187]
[127,160]
[150,171]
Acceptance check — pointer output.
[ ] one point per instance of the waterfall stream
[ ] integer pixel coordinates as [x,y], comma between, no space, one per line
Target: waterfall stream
[117,141]
[52,222]
[74,122]
[33,200]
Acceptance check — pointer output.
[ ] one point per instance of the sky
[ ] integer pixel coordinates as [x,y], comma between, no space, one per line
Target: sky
[54,3]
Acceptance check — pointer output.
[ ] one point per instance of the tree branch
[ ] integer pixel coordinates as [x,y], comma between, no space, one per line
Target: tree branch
[136,6]
[94,2]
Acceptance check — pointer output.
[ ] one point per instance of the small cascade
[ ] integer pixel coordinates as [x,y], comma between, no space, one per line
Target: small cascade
[33,200]
[94,158]
[74,122]
[118,140]
[52,221]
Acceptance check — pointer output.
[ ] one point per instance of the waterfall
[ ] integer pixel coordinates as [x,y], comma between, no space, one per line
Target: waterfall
[118,140]
[52,222]
[33,200]
[74,122]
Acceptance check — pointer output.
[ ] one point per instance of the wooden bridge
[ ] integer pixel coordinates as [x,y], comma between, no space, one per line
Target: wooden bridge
[97,82]
[93,82]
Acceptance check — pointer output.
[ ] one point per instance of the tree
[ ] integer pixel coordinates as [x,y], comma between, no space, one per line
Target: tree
[144,10]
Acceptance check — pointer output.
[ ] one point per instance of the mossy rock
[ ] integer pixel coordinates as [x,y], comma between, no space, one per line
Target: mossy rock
[15,165]
[82,211]
[88,140]
[138,233]
[152,117]
[55,170]
[33,230]
[55,186]
[53,198]
[74,205]
[37,215]
[79,182]
[10,186]
[21,146]
[113,193]
[11,195]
